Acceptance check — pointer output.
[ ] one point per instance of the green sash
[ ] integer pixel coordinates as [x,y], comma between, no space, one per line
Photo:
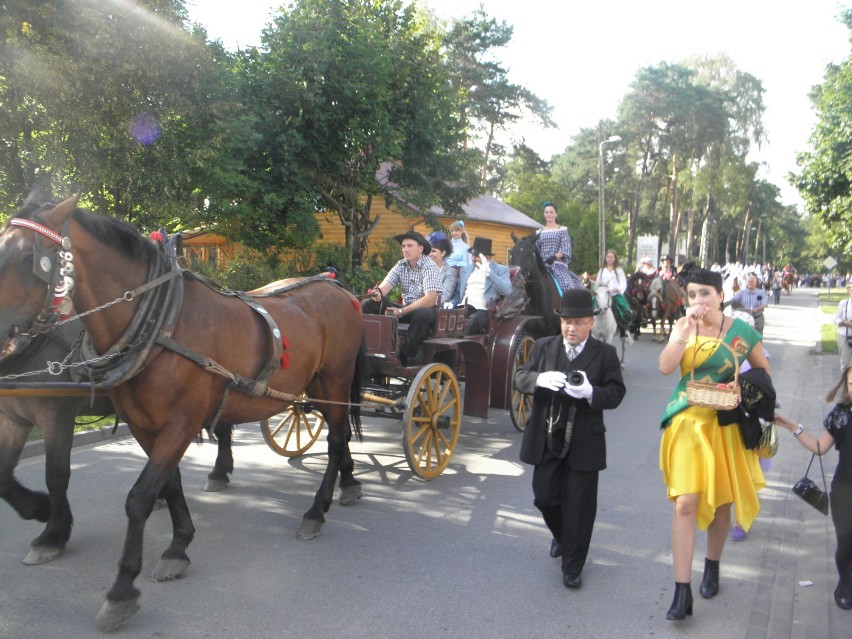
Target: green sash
[713,362]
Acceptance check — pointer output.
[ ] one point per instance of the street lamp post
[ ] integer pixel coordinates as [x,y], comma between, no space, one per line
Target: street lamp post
[601,202]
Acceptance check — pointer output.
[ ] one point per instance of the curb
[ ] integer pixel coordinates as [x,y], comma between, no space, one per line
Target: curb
[98,436]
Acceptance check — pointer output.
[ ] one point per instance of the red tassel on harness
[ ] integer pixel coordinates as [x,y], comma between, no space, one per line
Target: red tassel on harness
[285,357]
[157,236]
[356,304]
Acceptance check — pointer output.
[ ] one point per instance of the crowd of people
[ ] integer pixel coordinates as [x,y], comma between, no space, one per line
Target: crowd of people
[709,465]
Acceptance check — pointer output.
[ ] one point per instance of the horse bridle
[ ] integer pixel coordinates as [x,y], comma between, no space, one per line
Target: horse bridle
[60,284]
[528,272]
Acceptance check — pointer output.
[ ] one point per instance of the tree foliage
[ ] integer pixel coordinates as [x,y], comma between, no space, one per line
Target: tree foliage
[114,101]
[492,104]
[826,169]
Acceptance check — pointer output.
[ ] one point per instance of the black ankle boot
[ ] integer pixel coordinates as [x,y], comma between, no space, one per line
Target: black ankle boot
[710,582]
[682,602]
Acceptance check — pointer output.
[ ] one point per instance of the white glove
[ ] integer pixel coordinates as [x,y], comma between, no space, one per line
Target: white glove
[551,380]
[449,305]
[583,391]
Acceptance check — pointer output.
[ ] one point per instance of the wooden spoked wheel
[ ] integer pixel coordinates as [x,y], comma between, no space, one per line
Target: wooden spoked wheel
[294,431]
[433,420]
[520,404]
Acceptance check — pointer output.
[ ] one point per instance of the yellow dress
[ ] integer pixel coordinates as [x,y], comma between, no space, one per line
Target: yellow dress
[697,455]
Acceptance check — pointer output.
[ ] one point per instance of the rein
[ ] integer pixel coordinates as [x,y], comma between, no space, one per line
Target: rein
[152,325]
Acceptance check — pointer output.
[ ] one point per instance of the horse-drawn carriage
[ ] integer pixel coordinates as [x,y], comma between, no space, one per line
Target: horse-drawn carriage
[425,397]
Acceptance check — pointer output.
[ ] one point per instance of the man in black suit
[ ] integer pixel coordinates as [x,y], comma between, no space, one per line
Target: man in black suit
[573,378]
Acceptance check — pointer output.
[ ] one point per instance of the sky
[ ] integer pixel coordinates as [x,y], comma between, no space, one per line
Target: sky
[582,56]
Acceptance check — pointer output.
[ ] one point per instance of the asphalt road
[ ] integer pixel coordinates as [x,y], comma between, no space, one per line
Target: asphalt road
[464,555]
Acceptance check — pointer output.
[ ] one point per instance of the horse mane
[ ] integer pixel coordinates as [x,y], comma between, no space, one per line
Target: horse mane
[111,231]
[117,233]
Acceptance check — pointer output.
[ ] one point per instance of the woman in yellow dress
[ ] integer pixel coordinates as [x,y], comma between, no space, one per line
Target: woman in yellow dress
[706,467]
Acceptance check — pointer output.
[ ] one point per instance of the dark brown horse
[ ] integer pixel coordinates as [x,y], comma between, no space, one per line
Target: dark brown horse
[192,358]
[55,416]
[787,282]
[536,285]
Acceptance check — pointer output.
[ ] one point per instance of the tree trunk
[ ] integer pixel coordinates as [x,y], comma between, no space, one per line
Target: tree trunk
[674,218]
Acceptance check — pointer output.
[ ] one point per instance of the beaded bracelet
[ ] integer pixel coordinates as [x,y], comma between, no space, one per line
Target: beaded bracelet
[679,340]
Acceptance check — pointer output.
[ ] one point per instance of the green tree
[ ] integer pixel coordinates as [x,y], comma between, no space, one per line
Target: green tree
[826,169]
[114,100]
[492,103]
[352,101]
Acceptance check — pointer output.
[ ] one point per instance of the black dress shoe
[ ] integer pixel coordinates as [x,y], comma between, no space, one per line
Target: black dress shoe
[555,549]
[570,580]
[842,602]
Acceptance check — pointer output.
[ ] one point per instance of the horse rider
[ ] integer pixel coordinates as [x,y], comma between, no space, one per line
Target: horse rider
[667,271]
[481,284]
[418,278]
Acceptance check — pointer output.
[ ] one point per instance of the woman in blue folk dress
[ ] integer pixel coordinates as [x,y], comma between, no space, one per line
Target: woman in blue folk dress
[554,246]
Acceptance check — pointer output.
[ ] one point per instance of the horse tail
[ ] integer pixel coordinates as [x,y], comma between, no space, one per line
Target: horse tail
[355,393]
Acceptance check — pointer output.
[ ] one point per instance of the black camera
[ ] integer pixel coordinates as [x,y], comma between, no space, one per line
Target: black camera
[575,378]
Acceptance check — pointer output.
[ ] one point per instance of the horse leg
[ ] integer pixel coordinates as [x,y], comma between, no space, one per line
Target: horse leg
[27,503]
[58,436]
[350,488]
[218,478]
[121,599]
[174,561]
[314,518]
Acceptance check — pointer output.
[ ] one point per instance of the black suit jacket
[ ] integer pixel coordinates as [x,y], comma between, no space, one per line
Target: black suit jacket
[587,451]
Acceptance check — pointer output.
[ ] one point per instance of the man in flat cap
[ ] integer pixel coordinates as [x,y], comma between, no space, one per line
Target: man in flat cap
[573,378]
[419,280]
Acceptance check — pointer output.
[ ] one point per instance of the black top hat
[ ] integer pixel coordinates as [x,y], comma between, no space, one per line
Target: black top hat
[481,245]
[576,302]
[414,235]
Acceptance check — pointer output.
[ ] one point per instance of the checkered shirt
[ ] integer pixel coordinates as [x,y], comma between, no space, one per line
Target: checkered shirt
[415,282]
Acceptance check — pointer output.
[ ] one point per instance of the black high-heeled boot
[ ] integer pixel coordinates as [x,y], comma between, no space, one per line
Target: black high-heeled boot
[710,582]
[682,602]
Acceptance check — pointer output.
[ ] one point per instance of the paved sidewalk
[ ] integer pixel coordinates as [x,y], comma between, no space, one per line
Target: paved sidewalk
[795,542]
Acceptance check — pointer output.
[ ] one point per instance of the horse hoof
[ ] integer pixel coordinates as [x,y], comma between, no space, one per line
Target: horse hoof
[350,495]
[215,485]
[115,613]
[41,555]
[309,529]
[170,569]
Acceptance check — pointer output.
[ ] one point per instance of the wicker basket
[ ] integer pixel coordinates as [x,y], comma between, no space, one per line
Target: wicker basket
[711,394]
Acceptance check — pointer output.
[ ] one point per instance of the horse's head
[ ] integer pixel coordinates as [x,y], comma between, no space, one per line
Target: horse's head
[603,297]
[524,255]
[29,270]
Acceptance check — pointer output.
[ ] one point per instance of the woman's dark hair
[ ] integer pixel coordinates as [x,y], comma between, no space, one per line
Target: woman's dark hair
[443,245]
[549,203]
[694,274]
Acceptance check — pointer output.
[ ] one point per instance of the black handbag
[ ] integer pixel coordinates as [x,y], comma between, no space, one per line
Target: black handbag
[809,491]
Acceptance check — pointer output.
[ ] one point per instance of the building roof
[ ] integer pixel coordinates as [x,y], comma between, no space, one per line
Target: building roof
[483,208]
[487,208]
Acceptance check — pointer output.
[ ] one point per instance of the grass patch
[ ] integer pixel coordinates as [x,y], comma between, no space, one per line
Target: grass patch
[828,336]
[83,424]
[836,296]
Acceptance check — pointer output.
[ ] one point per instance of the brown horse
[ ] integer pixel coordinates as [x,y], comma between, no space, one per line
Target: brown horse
[787,283]
[192,358]
[666,300]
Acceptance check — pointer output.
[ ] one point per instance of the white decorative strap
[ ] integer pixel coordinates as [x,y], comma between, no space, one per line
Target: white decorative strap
[38,228]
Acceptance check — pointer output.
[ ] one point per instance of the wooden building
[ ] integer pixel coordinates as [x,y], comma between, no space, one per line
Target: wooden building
[486,216]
